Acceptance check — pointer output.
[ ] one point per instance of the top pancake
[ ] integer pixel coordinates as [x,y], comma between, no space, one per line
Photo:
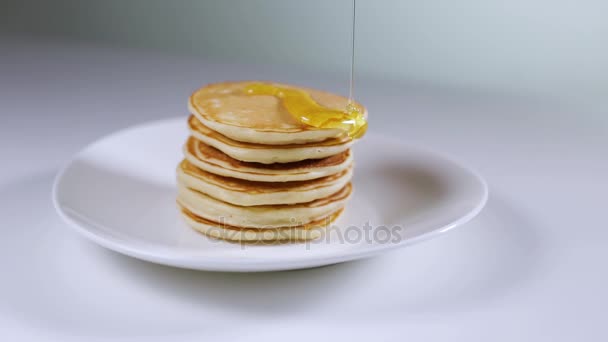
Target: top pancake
[261,119]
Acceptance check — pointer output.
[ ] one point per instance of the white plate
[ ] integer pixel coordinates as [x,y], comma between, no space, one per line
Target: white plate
[120,193]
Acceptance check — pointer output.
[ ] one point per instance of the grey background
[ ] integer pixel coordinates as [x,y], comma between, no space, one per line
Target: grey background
[543,47]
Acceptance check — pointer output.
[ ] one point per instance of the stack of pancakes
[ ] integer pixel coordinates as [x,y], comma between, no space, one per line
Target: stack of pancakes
[253,173]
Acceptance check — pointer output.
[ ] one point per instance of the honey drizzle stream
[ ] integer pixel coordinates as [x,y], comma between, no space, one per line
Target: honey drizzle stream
[352,57]
[308,112]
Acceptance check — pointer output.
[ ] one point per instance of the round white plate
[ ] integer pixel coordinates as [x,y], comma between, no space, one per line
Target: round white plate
[120,193]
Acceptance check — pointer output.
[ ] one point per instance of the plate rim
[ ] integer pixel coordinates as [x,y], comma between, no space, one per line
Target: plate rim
[256,264]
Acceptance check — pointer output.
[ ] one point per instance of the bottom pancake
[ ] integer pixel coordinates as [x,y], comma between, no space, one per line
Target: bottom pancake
[220,230]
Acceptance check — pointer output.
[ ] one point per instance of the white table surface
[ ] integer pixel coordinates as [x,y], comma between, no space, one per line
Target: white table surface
[532,267]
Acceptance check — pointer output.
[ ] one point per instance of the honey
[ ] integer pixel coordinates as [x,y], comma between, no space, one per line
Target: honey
[308,112]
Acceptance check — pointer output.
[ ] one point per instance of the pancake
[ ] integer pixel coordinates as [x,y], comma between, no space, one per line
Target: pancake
[312,230]
[260,119]
[212,160]
[264,216]
[249,193]
[267,154]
